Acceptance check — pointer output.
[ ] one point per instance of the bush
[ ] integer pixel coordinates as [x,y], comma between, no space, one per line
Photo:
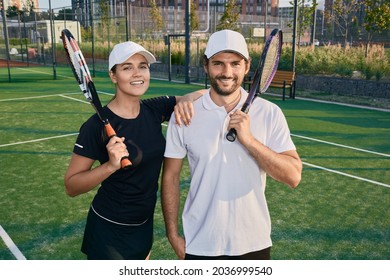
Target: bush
[337,60]
[325,60]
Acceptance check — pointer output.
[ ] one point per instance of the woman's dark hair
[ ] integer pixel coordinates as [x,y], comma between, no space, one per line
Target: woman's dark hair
[113,70]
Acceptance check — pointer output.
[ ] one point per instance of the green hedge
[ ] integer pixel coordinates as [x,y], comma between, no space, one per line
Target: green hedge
[325,60]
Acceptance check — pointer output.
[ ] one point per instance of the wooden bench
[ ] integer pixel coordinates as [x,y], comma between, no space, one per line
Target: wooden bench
[282,79]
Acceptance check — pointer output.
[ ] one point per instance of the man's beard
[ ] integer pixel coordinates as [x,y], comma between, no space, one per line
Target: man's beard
[225,92]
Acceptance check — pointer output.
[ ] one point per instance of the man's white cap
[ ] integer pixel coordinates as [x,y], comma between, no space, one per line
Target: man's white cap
[227,40]
[123,51]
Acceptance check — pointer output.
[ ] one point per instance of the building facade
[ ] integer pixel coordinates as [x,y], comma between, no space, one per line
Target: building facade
[18,3]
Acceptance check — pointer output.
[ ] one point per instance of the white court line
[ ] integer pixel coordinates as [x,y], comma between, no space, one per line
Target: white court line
[334,103]
[344,104]
[340,145]
[41,72]
[52,95]
[106,93]
[304,137]
[347,175]
[37,140]
[47,138]
[34,97]
[75,99]
[11,245]
[305,163]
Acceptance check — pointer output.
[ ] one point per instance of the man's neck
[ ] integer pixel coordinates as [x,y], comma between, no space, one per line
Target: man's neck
[228,101]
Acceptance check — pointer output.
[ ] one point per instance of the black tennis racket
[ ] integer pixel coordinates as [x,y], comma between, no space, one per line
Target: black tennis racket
[81,72]
[264,73]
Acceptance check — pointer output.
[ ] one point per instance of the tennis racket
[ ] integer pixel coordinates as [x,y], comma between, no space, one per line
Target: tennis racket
[81,72]
[265,71]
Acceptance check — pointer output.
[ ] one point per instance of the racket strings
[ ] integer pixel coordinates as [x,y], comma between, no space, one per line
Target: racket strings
[78,65]
[271,61]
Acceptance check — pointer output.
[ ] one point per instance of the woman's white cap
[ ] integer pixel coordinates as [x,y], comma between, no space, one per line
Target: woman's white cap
[123,51]
[227,40]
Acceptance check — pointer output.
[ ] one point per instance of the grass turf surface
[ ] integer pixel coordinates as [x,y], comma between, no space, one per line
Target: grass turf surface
[329,215]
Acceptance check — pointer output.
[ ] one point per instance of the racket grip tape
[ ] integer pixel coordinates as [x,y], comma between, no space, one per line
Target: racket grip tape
[125,162]
[231,135]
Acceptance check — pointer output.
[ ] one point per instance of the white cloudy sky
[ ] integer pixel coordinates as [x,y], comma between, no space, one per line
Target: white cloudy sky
[44,4]
[286,3]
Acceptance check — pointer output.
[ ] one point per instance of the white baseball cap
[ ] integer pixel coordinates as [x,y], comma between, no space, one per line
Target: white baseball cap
[123,51]
[227,40]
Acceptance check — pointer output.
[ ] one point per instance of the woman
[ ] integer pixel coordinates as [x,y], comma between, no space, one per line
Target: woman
[120,219]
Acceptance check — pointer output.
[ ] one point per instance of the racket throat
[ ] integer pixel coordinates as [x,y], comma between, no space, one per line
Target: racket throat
[245,108]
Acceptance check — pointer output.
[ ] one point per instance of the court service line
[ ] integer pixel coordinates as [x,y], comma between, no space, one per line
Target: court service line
[338,172]
[340,145]
[41,72]
[295,135]
[11,245]
[347,175]
[344,104]
[51,95]
[75,99]
[38,140]
[334,103]
[47,138]
[305,163]
[106,93]
[64,95]
[33,97]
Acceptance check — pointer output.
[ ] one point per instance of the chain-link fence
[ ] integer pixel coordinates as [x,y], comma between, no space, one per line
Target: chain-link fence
[34,38]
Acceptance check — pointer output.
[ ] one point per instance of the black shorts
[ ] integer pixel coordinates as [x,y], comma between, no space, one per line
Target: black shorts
[264,254]
[104,240]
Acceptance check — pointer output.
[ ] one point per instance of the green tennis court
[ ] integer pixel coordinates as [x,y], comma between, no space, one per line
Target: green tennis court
[339,211]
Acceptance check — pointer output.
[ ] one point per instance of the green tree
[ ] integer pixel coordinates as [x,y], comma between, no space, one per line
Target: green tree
[230,17]
[45,15]
[343,16]
[12,11]
[28,11]
[104,11]
[377,19]
[304,17]
[156,16]
[64,14]
[194,18]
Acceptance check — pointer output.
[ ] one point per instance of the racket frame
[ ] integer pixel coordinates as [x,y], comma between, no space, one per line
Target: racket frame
[276,34]
[87,86]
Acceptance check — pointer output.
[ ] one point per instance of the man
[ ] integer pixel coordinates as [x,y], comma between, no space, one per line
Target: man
[226,215]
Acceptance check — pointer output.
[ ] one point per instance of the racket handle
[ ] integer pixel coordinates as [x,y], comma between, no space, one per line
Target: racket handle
[125,162]
[231,135]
